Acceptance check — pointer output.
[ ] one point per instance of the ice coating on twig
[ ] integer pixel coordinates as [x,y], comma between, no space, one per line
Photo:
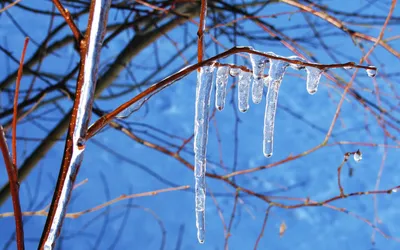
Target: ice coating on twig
[258,65]
[77,132]
[220,86]
[276,72]
[295,65]
[244,90]
[313,77]
[371,72]
[202,112]
[234,72]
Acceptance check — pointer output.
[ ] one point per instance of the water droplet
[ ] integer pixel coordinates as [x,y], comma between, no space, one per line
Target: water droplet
[348,67]
[371,72]
[81,143]
[394,190]
[294,65]
[357,156]
[234,72]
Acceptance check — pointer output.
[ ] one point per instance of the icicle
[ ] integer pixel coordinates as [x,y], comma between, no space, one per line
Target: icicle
[313,77]
[276,72]
[220,86]
[243,90]
[371,72]
[258,65]
[202,110]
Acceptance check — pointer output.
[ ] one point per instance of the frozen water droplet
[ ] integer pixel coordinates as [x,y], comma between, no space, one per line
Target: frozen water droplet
[357,156]
[371,72]
[348,67]
[81,143]
[294,65]
[220,86]
[394,190]
[234,72]
[313,77]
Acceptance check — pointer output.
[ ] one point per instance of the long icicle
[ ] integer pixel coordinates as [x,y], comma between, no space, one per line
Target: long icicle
[275,75]
[202,112]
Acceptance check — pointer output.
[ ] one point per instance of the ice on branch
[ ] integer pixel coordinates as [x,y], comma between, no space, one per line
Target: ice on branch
[371,72]
[243,90]
[313,77]
[202,112]
[277,69]
[220,86]
[258,66]
[234,72]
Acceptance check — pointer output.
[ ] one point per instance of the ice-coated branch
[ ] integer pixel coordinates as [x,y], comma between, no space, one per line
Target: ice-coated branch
[202,112]
[106,119]
[77,132]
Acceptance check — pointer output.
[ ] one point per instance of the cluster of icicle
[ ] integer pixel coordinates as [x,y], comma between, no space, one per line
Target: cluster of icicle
[277,69]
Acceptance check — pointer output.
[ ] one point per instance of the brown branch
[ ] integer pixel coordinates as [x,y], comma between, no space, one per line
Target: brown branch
[262,228]
[15,112]
[339,24]
[68,19]
[90,49]
[133,48]
[200,32]
[14,187]
[76,215]
[146,94]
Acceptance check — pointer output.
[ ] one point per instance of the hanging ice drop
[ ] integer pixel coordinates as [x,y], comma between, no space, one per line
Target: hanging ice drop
[243,90]
[202,111]
[371,72]
[357,156]
[220,86]
[313,77]
[234,72]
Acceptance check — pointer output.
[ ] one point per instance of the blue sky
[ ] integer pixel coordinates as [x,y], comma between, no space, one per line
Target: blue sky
[301,123]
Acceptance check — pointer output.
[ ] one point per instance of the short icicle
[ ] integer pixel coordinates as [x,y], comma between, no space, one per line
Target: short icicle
[258,65]
[220,86]
[243,90]
[313,77]
[276,72]
[202,111]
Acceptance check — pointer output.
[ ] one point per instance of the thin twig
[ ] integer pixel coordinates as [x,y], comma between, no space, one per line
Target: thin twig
[15,112]
[14,187]
[68,19]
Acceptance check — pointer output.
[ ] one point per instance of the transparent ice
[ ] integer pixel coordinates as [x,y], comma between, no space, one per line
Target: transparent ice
[313,77]
[258,65]
[277,69]
[244,90]
[202,112]
[220,86]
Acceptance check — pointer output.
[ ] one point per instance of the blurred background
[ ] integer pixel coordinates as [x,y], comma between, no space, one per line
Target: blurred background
[147,41]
